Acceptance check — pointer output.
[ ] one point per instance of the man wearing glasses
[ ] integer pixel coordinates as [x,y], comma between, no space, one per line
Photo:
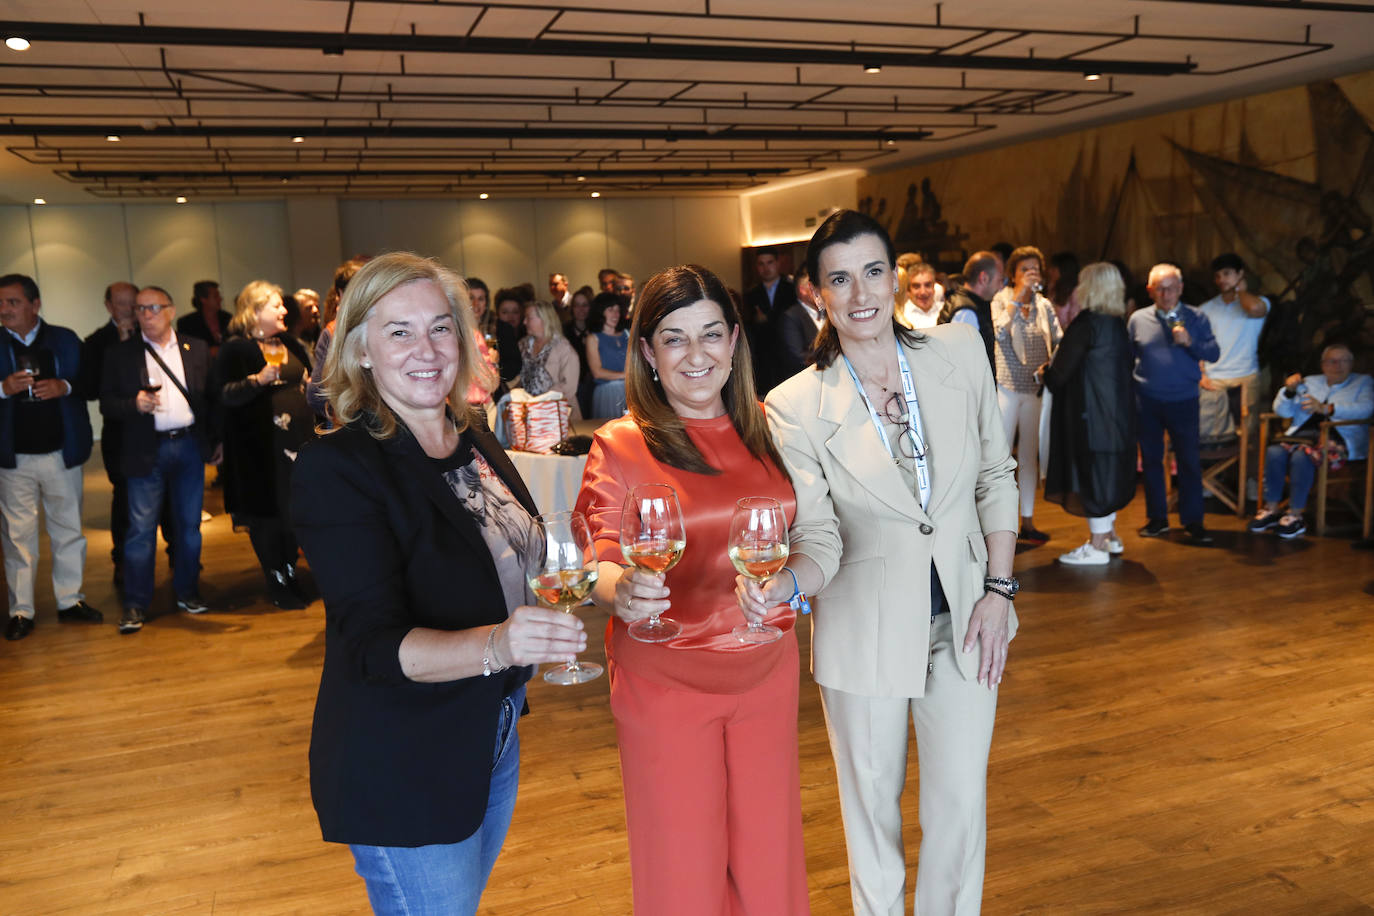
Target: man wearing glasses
[45,438]
[156,384]
[1336,394]
[1169,340]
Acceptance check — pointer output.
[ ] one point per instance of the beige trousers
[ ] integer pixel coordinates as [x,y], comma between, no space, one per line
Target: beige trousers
[869,740]
[41,480]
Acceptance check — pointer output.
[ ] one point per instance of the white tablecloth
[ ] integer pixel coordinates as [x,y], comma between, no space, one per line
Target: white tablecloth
[552,480]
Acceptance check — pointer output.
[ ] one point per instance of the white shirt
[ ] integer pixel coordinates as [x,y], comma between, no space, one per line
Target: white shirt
[174,412]
[919,319]
[1237,335]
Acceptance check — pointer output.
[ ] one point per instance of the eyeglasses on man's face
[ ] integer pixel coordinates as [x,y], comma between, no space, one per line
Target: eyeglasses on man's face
[151,309]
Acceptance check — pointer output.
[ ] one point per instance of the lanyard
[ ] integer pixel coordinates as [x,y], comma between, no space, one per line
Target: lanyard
[913,430]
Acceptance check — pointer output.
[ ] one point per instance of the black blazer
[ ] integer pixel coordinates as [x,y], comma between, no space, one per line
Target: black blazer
[394,762]
[193,325]
[796,336]
[119,384]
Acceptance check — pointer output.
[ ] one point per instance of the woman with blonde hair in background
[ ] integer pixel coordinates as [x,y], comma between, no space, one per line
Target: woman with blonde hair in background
[261,372]
[1091,469]
[547,361]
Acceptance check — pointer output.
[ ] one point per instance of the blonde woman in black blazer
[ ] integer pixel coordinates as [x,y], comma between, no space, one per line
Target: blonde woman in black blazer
[413,521]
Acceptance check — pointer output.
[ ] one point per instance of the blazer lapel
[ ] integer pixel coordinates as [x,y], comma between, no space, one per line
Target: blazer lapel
[856,445]
[944,416]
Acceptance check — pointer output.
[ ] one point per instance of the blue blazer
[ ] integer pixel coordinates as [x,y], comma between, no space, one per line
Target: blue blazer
[76,422]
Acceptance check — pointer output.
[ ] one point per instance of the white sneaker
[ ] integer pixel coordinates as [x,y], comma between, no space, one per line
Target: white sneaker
[1115,547]
[1087,555]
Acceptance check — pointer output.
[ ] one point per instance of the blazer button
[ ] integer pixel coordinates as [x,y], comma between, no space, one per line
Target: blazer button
[926,529]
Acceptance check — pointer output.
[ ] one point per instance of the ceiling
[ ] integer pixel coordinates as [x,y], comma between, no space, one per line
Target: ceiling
[120,99]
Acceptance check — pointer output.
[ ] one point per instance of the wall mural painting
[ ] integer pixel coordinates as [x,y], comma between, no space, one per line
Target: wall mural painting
[1285,179]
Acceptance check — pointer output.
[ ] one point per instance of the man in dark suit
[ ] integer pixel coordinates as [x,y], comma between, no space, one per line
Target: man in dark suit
[209,322]
[798,328]
[45,438]
[119,302]
[157,385]
[763,307]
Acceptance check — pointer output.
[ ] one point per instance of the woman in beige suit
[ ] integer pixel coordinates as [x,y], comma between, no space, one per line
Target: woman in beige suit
[905,531]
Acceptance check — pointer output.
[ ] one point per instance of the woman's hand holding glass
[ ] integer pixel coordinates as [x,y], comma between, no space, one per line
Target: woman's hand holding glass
[561,568]
[758,549]
[537,635]
[757,598]
[653,536]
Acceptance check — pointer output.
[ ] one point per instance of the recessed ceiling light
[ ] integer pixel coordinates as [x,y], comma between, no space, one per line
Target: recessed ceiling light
[1090,77]
[297,139]
[181,200]
[891,142]
[113,138]
[873,68]
[581,177]
[483,196]
[40,201]
[596,193]
[15,43]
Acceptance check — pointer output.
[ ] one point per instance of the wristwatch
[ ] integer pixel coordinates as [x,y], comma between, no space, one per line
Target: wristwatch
[1006,587]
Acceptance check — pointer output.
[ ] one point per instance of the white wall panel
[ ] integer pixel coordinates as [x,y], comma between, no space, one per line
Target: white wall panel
[640,236]
[16,243]
[499,241]
[253,244]
[708,233]
[173,246]
[360,225]
[312,225]
[570,238]
[80,250]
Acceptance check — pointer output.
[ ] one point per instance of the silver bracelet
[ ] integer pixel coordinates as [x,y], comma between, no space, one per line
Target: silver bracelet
[489,654]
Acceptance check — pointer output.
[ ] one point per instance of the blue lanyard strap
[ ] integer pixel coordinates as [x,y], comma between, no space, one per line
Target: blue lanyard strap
[914,430]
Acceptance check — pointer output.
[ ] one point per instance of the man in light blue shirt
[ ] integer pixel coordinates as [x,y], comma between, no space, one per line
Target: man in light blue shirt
[1237,318]
[1335,394]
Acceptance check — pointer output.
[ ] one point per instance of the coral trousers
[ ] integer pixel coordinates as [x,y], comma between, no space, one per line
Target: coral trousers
[712,796]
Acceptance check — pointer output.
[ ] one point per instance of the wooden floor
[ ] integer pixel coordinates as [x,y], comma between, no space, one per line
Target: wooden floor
[1185,731]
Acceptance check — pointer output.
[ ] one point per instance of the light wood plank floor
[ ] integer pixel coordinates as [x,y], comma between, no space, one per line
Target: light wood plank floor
[1185,731]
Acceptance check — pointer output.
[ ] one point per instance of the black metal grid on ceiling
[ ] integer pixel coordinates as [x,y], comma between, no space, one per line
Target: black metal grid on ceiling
[453,96]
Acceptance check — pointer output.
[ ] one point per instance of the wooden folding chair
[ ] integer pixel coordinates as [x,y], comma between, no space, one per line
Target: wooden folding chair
[1342,481]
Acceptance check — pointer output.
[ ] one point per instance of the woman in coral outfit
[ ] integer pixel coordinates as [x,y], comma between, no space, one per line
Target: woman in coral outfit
[707,725]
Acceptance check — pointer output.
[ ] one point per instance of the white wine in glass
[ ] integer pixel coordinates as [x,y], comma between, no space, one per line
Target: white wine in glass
[560,567]
[653,537]
[758,548]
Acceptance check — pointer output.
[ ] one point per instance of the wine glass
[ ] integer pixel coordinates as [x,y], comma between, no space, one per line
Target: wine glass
[150,380]
[27,362]
[561,569]
[274,351]
[758,549]
[652,537]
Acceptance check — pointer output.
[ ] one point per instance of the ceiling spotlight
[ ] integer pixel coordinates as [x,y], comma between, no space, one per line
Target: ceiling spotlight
[40,201]
[581,177]
[297,139]
[891,142]
[483,196]
[1091,77]
[15,43]
[181,200]
[113,138]
[873,68]
[596,193]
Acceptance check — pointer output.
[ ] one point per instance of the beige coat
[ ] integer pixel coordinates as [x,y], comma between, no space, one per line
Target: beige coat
[874,543]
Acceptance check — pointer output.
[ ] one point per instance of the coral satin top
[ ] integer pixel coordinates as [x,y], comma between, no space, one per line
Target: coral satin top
[705,656]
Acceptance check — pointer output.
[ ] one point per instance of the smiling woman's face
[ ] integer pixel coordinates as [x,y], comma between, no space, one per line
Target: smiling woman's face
[412,344]
[857,287]
[692,350]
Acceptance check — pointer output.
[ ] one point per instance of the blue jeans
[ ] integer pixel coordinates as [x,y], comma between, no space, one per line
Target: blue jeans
[448,879]
[178,477]
[1180,418]
[1297,467]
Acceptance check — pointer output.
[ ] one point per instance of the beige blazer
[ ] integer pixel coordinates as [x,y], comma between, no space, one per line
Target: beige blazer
[874,543]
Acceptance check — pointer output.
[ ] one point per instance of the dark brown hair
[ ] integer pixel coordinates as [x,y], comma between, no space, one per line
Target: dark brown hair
[664,431]
[846,226]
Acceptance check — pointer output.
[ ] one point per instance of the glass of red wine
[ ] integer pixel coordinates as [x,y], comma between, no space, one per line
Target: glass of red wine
[27,362]
[150,381]
[652,538]
[758,548]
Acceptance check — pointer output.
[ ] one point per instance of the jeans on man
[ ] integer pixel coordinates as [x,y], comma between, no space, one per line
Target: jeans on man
[178,477]
[1180,419]
[1297,467]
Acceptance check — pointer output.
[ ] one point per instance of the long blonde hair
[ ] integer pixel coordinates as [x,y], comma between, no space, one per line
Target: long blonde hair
[248,303]
[1100,289]
[352,392]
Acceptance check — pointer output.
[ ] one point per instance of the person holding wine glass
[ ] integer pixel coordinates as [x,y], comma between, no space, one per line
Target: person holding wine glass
[905,532]
[262,374]
[706,722]
[417,528]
